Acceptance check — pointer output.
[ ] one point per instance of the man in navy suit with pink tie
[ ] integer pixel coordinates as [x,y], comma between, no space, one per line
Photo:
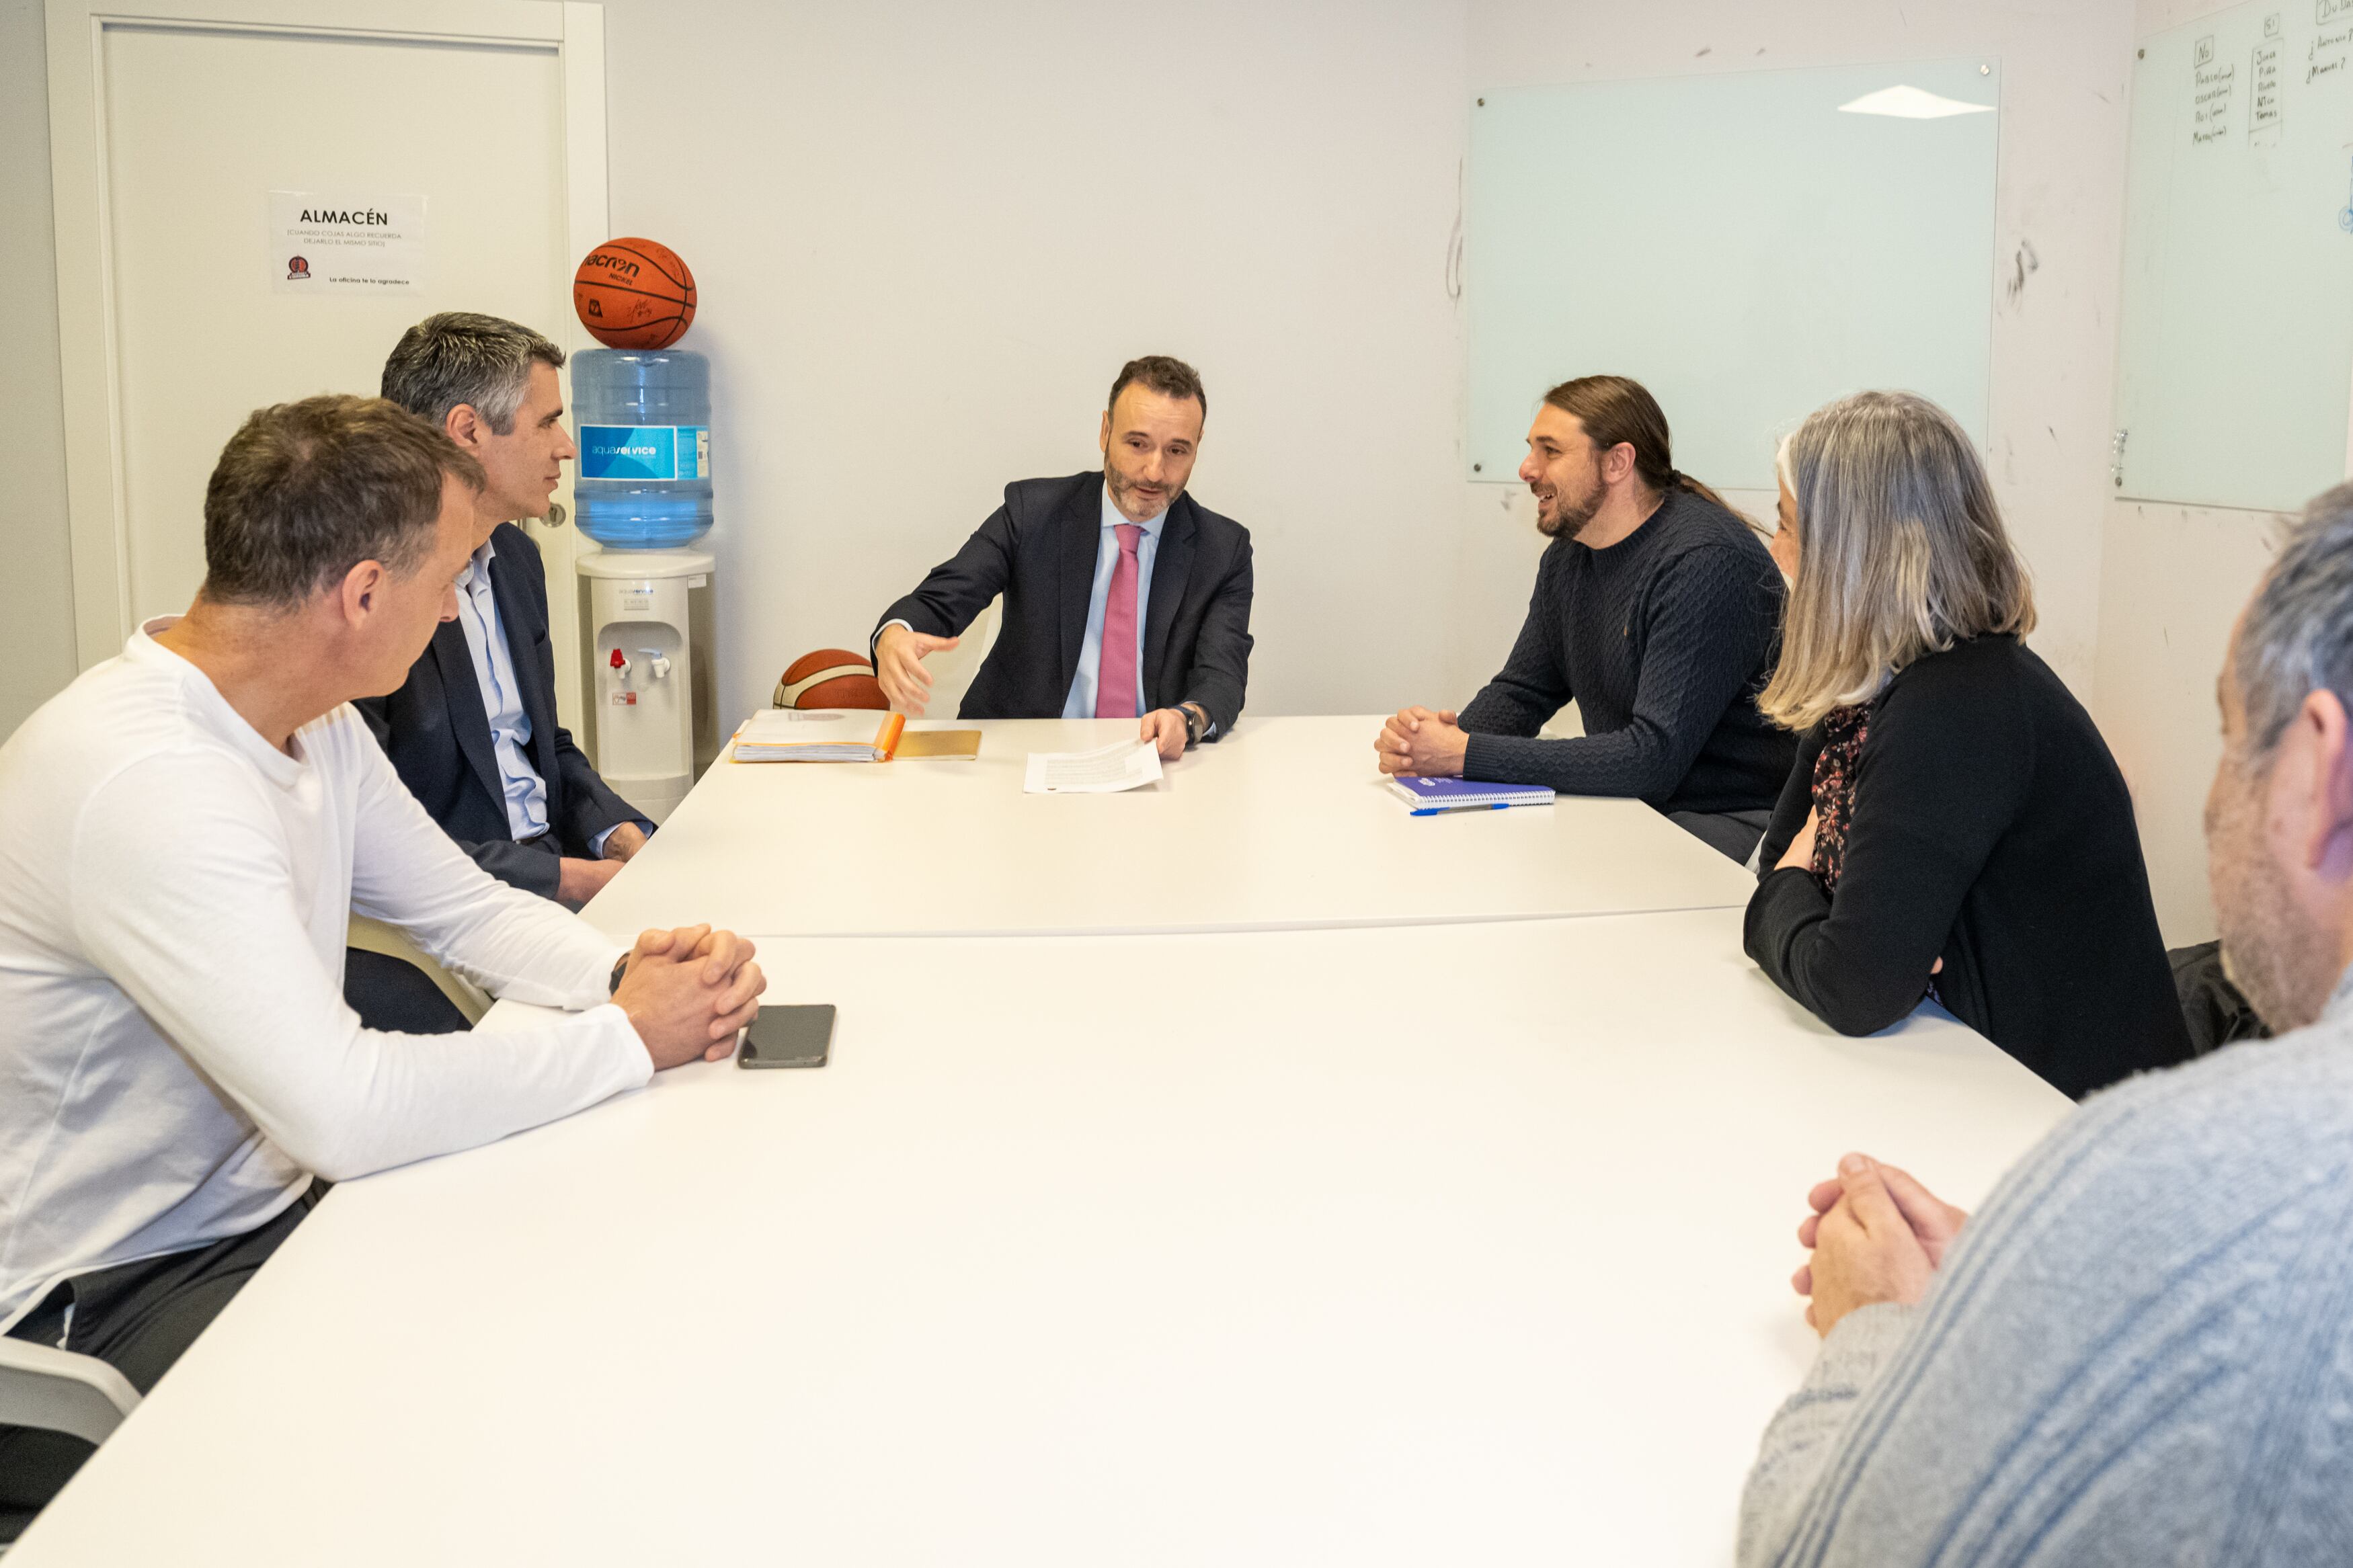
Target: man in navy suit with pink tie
[1123,597]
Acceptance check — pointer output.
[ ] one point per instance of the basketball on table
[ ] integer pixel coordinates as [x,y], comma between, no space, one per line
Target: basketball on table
[830,678]
[634,294]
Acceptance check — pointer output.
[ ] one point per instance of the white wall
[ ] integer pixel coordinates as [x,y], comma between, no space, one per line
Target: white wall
[37,629]
[2172,580]
[2171,583]
[927,235]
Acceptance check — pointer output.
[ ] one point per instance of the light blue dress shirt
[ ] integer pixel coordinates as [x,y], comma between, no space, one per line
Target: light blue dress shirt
[494,672]
[477,617]
[1081,703]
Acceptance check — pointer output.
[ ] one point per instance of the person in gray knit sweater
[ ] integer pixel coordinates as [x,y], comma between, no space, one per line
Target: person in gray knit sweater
[2141,1349]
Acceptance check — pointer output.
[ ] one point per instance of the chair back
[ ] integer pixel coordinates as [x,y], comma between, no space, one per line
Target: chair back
[952,670]
[61,1390]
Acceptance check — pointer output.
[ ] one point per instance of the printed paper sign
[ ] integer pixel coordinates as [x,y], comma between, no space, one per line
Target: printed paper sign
[338,242]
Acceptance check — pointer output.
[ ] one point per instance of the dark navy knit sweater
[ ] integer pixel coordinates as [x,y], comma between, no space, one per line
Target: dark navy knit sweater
[1664,639]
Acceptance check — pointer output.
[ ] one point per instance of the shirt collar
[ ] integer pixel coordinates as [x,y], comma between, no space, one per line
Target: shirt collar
[478,565]
[1112,516]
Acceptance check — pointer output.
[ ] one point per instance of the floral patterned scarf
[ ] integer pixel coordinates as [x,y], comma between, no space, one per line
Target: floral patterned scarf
[1844,731]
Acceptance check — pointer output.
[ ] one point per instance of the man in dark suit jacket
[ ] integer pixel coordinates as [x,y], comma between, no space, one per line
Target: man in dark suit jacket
[1123,597]
[436,731]
[473,731]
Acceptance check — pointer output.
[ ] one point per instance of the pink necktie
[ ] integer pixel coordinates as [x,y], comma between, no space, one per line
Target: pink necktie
[1115,670]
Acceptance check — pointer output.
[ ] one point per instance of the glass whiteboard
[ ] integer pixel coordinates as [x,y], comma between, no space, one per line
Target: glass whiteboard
[2235,359]
[1741,244]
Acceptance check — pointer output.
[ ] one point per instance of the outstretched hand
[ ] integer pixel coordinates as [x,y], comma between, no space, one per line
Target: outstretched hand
[899,667]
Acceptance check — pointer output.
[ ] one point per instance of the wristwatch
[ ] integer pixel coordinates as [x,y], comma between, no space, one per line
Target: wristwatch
[1196,723]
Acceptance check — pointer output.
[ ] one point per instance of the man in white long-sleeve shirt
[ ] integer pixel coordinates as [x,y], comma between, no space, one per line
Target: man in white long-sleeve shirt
[191,824]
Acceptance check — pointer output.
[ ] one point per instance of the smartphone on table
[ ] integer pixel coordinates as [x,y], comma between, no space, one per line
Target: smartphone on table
[791,1036]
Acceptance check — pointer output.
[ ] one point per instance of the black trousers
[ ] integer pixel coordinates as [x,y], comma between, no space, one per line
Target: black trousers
[137,1318]
[1733,833]
[388,992]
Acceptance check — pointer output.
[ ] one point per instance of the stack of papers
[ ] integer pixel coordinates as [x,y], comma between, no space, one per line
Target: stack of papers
[788,735]
[791,735]
[1106,771]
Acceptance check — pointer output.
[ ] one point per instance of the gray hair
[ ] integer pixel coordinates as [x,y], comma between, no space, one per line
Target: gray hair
[305,492]
[1901,553]
[461,356]
[2297,638]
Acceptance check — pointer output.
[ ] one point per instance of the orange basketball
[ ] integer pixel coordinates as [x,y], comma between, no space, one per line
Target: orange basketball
[830,678]
[634,294]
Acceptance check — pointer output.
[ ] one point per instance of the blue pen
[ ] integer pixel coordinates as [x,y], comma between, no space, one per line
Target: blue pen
[1445,810]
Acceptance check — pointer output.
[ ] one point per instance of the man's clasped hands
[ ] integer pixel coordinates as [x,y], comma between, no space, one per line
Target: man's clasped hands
[1876,1235]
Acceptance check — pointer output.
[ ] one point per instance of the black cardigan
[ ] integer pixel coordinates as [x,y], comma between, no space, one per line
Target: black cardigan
[1989,828]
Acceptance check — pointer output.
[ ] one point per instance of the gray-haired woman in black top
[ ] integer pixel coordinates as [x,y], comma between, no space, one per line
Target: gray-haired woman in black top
[1954,827]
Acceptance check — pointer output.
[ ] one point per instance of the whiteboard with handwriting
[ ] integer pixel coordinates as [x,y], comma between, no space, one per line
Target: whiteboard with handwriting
[2236,352]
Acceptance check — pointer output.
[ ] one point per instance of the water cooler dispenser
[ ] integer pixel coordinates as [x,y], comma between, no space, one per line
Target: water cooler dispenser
[651,684]
[644,494]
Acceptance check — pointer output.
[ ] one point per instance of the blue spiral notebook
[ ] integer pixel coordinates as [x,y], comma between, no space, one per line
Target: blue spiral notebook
[1430,797]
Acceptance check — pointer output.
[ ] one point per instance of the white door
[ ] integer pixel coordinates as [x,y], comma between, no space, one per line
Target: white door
[173,122]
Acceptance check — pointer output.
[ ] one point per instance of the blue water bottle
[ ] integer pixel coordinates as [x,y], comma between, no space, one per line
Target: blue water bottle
[644,419]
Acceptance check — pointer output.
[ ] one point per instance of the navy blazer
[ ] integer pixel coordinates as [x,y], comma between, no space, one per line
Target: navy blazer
[437,731]
[1039,550]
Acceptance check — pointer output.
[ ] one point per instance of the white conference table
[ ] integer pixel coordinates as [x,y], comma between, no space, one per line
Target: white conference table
[1286,823]
[1451,1242]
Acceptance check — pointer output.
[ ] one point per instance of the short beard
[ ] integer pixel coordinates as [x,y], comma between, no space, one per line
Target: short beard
[1122,492]
[1569,521]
